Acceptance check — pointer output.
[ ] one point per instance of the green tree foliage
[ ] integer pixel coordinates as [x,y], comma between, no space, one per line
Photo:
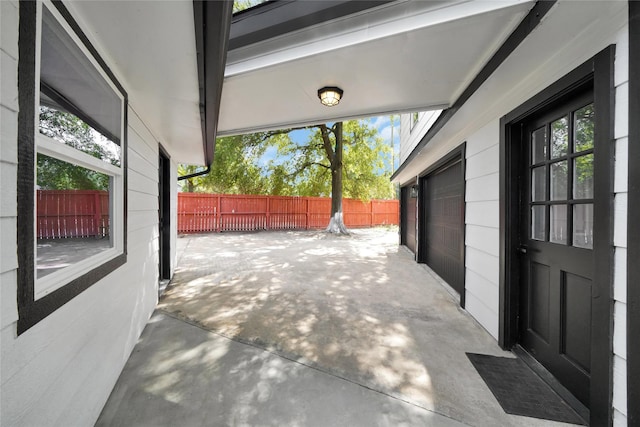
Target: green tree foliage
[239,5]
[297,169]
[55,174]
[304,169]
[235,168]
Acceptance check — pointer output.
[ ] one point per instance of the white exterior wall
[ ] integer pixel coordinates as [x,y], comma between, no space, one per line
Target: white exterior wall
[61,371]
[482,261]
[620,237]
[477,123]
[411,137]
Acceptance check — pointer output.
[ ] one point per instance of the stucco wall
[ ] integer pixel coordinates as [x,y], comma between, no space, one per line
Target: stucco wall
[61,371]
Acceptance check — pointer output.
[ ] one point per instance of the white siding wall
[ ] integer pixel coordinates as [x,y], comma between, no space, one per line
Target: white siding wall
[411,137]
[477,122]
[61,371]
[482,227]
[620,230]
[8,168]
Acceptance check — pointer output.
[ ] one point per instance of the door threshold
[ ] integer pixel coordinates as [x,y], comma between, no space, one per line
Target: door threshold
[162,285]
[547,377]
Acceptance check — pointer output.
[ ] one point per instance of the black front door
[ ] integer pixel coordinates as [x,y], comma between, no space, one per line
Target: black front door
[164,216]
[556,251]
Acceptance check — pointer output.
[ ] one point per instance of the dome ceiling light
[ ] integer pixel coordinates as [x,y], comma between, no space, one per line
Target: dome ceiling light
[330,95]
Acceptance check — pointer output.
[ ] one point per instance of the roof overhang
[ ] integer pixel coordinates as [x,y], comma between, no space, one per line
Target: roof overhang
[524,65]
[388,57]
[151,47]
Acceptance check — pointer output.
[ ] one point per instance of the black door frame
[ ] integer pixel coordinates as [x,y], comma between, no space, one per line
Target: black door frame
[458,154]
[164,214]
[633,227]
[405,197]
[598,73]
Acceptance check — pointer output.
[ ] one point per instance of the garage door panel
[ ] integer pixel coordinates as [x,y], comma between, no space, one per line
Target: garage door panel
[442,223]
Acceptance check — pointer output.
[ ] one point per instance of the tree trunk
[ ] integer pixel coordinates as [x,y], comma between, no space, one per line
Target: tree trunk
[336,222]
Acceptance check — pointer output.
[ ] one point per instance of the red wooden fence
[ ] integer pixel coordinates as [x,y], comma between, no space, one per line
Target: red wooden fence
[79,213]
[72,213]
[199,212]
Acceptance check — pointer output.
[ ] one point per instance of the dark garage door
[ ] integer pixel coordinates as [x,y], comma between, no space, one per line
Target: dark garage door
[442,223]
[408,223]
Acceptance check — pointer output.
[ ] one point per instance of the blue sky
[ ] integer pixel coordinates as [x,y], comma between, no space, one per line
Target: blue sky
[381,123]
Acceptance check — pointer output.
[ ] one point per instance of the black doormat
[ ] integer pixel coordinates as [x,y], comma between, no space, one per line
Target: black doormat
[520,391]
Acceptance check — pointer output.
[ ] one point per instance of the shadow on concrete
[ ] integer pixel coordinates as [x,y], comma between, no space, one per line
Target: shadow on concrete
[351,325]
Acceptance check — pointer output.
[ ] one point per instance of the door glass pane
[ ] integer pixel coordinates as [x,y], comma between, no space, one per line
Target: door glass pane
[583,177]
[538,184]
[583,226]
[538,222]
[558,230]
[559,138]
[559,180]
[538,145]
[584,125]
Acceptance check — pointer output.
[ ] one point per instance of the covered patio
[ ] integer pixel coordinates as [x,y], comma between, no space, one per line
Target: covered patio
[305,328]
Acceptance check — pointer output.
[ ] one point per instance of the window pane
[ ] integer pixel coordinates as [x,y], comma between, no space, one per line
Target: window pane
[559,180]
[538,184]
[538,222]
[559,138]
[73,214]
[539,145]
[78,106]
[72,131]
[583,226]
[584,126]
[558,230]
[583,177]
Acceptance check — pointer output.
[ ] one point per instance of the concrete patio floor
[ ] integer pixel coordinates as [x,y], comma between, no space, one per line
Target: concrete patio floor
[303,328]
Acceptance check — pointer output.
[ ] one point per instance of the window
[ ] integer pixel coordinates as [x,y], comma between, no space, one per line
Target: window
[414,119]
[561,176]
[72,197]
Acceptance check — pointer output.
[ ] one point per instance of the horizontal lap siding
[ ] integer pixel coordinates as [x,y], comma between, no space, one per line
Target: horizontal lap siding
[61,371]
[8,167]
[482,227]
[621,80]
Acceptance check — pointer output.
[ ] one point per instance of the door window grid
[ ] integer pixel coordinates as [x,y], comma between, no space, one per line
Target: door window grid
[561,179]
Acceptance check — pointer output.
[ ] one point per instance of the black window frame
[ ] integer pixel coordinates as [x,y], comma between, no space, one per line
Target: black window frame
[31,310]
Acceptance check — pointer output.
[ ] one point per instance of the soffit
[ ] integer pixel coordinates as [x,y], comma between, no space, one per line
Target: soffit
[400,56]
[150,46]
[571,33]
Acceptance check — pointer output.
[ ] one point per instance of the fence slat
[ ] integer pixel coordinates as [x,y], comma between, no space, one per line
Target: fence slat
[79,213]
[64,214]
[198,212]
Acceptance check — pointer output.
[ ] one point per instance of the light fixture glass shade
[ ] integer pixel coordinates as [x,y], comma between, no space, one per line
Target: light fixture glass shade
[330,95]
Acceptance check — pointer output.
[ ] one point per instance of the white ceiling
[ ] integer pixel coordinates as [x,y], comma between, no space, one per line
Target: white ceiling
[403,56]
[150,46]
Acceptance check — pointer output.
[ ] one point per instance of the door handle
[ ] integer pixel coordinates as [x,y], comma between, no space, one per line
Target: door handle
[522,249]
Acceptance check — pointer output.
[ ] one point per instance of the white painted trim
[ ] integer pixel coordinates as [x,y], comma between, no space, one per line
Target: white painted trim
[395,21]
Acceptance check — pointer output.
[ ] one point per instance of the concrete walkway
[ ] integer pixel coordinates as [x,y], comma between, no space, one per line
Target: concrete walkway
[306,329]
